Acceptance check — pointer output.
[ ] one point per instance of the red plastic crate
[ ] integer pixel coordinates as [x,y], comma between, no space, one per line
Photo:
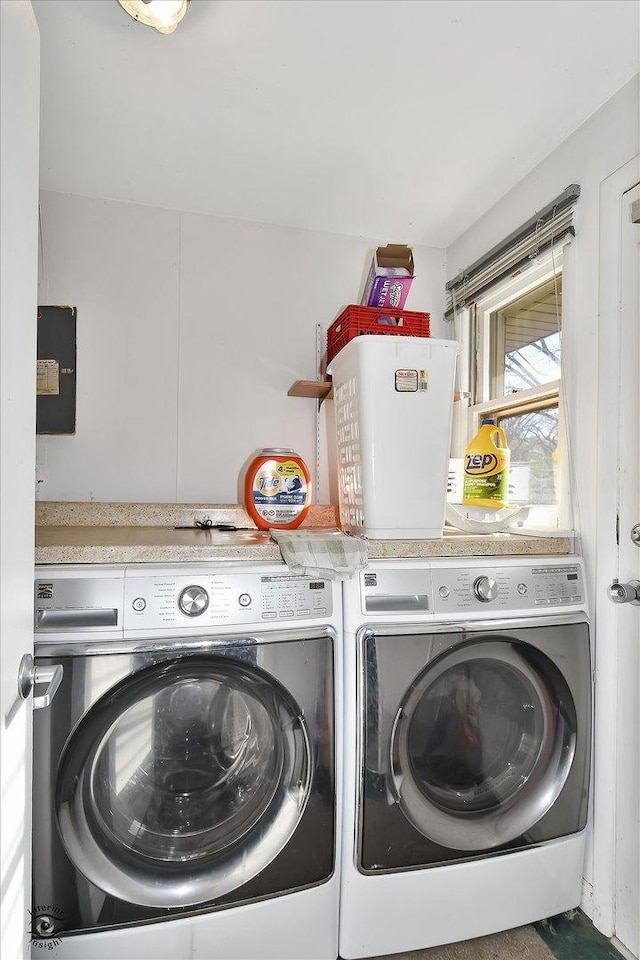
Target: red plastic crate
[355,321]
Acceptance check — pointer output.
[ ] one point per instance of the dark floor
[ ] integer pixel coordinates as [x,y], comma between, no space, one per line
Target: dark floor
[569,936]
[572,936]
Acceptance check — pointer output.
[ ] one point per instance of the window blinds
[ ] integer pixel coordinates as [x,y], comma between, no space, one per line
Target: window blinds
[550,226]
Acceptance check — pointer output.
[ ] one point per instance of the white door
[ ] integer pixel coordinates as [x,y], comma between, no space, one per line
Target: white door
[20,90]
[627,879]
[617,634]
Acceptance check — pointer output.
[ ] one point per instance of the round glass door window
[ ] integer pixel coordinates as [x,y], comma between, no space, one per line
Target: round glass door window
[183,782]
[483,744]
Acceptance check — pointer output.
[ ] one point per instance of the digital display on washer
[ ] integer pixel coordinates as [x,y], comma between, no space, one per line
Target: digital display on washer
[557,584]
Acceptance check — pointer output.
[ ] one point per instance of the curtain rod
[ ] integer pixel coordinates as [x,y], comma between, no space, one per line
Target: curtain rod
[569,196]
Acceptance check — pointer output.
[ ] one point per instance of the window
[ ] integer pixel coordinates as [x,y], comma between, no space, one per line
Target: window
[506,309]
[514,362]
[526,340]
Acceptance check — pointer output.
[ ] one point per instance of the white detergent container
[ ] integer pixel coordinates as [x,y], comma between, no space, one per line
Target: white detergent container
[393,410]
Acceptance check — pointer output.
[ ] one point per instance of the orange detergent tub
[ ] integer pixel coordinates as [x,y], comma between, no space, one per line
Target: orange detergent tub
[277,489]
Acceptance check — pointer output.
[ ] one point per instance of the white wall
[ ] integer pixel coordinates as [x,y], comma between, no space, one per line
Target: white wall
[598,148]
[20,61]
[191,329]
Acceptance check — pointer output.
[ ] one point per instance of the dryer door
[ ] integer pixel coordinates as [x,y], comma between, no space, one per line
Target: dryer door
[482,744]
[183,781]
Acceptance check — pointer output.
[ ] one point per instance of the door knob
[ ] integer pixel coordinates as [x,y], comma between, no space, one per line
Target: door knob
[625,592]
[29,675]
[26,676]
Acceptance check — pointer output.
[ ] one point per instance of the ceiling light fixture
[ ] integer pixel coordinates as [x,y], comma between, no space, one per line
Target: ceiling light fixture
[164,15]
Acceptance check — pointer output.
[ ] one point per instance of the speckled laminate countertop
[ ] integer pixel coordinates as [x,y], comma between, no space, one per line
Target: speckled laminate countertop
[145,533]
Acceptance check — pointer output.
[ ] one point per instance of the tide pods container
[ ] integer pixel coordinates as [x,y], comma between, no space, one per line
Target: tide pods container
[277,489]
[393,412]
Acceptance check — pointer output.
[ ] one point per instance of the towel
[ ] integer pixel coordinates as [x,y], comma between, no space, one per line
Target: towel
[321,553]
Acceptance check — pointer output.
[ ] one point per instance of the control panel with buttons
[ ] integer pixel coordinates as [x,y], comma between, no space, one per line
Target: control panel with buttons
[446,589]
[515,588]
[205,599]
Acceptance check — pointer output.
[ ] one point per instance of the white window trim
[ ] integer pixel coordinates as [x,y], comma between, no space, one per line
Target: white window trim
[522,400]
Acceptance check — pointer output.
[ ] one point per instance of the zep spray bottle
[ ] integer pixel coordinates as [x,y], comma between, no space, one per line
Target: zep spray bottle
[486,469]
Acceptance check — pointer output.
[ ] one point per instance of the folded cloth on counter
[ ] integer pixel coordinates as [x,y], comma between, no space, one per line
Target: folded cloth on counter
[322,553]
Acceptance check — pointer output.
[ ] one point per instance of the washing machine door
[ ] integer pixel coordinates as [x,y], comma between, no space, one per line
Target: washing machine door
[482,743]
[184,781]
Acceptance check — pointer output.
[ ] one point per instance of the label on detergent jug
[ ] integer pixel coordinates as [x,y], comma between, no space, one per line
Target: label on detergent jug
[484,479]
[486,468]
[278,489]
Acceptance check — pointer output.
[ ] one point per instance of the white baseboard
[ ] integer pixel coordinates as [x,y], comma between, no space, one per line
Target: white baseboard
[620,947]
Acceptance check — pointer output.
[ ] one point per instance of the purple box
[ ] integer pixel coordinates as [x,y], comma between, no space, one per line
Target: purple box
[390,277]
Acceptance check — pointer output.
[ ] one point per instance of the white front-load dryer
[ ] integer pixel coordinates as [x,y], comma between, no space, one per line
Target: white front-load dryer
[467,745]
[187,763]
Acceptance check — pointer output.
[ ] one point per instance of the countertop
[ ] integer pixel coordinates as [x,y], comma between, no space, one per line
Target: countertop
[73,532]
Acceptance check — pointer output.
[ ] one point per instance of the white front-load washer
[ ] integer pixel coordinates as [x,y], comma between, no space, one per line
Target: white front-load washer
[467,746]
[187,758]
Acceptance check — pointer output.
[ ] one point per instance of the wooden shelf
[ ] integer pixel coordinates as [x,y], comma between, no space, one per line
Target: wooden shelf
[323,390]
[317,389]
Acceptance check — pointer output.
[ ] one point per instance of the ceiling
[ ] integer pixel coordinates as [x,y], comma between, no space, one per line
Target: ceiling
[403,120]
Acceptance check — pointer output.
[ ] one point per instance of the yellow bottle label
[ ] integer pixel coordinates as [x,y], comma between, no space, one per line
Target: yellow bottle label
[486,470]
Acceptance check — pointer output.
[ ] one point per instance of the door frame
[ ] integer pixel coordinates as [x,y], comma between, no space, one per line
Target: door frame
[607,615]
[20,115]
